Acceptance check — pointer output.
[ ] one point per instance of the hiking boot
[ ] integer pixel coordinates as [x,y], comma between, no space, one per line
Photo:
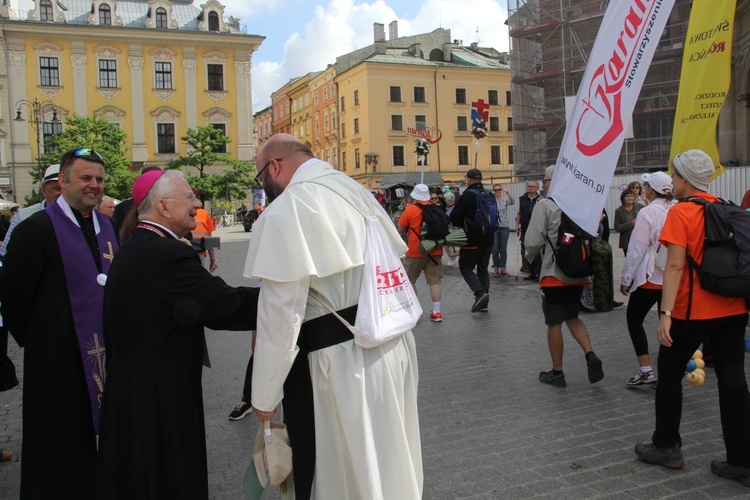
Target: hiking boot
[240,411]
[642,378]
[496,273]
[552,379]
[480,302]
[436,317]
[504,272]
[595,368]
[739,474]
[668,457]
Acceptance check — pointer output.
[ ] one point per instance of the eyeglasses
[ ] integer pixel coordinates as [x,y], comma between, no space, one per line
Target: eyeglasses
[547,180]
[82,153]
[434,198]
[534,187]
[260,172]
[497,190]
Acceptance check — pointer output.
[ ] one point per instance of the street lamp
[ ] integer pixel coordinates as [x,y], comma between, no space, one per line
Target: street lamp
[36,120]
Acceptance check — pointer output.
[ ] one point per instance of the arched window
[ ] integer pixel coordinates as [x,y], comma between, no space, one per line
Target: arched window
[213,21]
[105,15]
[161,18]
[45,11]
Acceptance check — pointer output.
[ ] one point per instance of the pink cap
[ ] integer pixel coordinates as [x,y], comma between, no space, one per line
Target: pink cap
[143,185]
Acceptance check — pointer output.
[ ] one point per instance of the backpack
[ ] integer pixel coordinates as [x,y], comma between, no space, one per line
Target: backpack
[435,225]
[573,253]
[726,249]
[485,219]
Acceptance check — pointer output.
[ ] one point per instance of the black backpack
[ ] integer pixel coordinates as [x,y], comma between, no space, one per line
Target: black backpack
[573,254]
[726,249]
[435,225]
[485,219]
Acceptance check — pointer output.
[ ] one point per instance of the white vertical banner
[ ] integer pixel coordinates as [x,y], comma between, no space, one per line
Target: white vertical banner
[616,70]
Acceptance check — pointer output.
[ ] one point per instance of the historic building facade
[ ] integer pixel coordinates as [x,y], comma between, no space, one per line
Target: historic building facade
[154,67]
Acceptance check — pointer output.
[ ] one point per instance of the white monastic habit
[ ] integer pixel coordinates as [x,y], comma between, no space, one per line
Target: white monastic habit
[366,421]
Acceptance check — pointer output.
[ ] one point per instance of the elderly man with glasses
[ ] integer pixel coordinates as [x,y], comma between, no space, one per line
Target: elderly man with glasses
[52,294]
[526,203]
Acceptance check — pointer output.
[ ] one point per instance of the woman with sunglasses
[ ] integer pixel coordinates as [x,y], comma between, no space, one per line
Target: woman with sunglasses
[504,199]
[637,190]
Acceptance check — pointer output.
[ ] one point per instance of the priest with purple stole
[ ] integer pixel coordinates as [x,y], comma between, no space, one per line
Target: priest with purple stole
[52,295]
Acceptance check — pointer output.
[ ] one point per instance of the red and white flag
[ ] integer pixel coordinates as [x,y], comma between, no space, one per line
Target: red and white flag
[617,67]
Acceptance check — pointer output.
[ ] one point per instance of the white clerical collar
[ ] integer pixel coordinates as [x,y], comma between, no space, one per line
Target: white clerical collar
[69,214]
[161,227]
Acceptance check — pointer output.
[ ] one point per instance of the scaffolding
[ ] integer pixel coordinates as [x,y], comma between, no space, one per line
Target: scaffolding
[550,41]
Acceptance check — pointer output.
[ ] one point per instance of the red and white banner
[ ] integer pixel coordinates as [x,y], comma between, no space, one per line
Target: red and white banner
[617,67]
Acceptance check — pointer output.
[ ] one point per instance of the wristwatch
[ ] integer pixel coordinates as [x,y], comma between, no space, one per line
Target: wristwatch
[666,313]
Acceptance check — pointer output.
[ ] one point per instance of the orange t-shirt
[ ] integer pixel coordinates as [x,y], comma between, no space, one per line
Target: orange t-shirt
[412,219]
[685,227]
[551,281]
[204,225]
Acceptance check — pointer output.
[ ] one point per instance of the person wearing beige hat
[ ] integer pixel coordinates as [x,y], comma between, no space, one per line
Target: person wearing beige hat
[718,318]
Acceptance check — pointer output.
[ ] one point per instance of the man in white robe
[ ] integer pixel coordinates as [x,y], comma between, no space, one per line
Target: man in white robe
[312,236]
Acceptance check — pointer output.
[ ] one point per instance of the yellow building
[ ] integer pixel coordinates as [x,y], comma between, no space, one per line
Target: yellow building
[396,90]
[300,96]
[154,67]
[324,137]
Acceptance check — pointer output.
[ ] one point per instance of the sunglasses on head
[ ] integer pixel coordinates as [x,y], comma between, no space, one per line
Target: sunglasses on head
[82,153]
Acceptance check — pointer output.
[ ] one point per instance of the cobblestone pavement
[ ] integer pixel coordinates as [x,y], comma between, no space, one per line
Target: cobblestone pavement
[489,428]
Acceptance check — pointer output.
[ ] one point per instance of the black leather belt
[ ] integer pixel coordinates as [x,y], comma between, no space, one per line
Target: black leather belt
[326,330]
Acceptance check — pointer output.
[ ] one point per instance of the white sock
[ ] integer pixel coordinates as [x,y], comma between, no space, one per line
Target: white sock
[646,369]
[435,307]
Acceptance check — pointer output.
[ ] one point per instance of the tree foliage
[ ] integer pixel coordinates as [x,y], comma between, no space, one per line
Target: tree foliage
[104,137]
[203,144]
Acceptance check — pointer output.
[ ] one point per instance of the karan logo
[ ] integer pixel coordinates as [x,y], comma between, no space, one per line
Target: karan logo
[600,122]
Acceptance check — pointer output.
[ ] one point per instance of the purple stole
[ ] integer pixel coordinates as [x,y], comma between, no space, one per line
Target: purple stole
[86,294]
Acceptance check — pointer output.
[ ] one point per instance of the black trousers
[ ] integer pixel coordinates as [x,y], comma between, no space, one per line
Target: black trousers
[640,303]
[727,337]
[478,258]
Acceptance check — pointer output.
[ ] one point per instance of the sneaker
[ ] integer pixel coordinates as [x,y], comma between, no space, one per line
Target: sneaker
[496,273]
[595,368]
[668,457]
[552,379]
[504,272]
[480,302]
[642,378]
[484,309]
[723,469]
[436,317]
[240,411]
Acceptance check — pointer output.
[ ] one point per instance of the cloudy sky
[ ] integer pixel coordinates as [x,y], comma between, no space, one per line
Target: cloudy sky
[306,35]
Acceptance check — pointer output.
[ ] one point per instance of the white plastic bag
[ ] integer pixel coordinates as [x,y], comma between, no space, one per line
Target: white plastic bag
[388,306]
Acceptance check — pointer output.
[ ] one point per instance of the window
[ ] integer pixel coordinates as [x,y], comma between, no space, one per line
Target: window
[494,124]
[510,155]
[395,94]
[105,15]
[343,130]
[107,73]
[45,11]
[343,161]
[460,96]
[508,100]
[397,122]
[165,132]
[325,124]
[398,156]
[419,94]
[510,124]
[163,75]
[495,156]
[356,159]
[48,130]
[215,77]
[161,18]
[356,97]
[49,72]
[420,122]
[325,93]
[461,124]
[213,21]
[463,155]
[356,125]
[343,105]
[223,128]
[492,97]
[307,127]
[315,98]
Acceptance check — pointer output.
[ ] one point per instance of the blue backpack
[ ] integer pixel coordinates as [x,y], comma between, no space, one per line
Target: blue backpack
[485,220]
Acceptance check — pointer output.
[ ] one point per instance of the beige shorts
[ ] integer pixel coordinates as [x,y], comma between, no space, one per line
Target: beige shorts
[433,273]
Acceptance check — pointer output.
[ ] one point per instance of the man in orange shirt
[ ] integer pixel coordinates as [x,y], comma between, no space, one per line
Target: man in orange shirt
[561,294]
[415,262]
[204,227]
[721,320]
